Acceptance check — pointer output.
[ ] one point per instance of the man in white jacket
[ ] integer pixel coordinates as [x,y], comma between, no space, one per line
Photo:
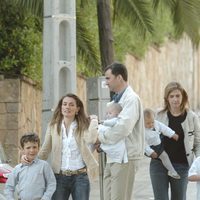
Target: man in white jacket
[119,177]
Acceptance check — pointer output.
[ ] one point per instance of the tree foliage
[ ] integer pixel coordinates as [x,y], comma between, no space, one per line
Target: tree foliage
[87,51]
[136,25]
[20,42]
[185,15]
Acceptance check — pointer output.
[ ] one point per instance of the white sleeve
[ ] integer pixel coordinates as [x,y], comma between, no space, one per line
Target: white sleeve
[165,130]
[127,119]
[195,167]
[148,150]
[11,185]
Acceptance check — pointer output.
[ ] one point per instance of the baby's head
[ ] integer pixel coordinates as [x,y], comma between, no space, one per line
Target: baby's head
[113,110]
[30,143]
[148,118]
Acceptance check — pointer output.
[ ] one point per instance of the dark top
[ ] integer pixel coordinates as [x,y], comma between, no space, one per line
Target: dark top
[176,149]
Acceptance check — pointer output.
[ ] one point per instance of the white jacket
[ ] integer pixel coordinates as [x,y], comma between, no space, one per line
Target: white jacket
[115,152]
[152,137]
[130,125]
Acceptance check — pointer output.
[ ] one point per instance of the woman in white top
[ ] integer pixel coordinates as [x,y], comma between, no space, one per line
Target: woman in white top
[67,138]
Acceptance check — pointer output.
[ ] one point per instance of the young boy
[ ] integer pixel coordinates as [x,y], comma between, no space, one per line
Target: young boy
[194,174]
[154,147]
[115,152]
[35,181]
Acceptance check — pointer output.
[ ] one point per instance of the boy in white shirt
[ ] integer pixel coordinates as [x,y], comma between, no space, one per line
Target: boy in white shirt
[115,152]
[194,174]
[154,147]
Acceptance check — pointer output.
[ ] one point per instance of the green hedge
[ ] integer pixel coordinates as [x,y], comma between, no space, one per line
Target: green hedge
[20,42]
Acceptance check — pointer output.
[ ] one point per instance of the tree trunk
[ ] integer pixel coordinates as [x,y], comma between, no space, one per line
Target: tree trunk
[105,33]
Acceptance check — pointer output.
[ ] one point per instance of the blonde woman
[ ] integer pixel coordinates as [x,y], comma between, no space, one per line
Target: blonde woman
[185,123]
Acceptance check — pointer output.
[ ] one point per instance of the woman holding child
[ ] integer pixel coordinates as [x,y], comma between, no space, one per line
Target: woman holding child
[69,138]
[186,124]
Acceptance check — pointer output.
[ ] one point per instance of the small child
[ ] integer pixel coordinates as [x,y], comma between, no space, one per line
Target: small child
[154,147]
[115,152]
[194,174]
[35,180]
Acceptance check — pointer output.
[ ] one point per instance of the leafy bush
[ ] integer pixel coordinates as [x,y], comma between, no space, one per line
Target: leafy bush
[20,42]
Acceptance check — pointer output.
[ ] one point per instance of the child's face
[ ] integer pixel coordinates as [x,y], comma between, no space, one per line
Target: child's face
[149,122]
[111,113]
[31,150]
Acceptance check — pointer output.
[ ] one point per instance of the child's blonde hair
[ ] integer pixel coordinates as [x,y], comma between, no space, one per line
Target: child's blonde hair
[148,113]
[116,107]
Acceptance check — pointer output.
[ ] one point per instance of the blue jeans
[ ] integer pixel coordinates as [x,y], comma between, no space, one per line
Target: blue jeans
[161,181]
[76,185]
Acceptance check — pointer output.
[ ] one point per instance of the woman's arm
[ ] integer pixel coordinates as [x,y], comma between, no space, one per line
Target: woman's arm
[47,145]
[90,136]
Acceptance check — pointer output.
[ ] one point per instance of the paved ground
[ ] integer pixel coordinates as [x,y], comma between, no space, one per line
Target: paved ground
[142,188]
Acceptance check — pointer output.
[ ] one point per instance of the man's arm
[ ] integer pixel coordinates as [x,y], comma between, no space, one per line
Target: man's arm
[125,123]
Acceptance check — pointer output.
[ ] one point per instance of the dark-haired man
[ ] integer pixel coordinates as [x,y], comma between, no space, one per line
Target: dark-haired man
[119,177]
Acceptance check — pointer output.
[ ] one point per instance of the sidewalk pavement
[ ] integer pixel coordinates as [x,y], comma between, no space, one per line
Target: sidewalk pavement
[142,188]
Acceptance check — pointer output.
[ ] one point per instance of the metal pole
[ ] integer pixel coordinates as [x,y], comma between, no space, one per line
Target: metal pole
[98,96]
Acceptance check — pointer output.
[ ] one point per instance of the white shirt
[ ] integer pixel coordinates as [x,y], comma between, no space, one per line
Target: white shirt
[130,126]
[152,137]
[115,152]
[195,170]
[71,156]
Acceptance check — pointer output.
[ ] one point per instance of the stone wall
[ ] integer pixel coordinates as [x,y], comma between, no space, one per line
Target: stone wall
[20,112]
[177,61]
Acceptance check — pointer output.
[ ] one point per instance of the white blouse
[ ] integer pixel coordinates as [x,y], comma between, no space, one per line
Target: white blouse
[71,157]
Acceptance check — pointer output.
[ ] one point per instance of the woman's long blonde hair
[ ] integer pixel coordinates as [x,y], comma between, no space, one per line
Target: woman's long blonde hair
[81,118]
[170,88]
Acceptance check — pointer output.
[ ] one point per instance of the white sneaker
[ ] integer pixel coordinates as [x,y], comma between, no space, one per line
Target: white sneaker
[173,175]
